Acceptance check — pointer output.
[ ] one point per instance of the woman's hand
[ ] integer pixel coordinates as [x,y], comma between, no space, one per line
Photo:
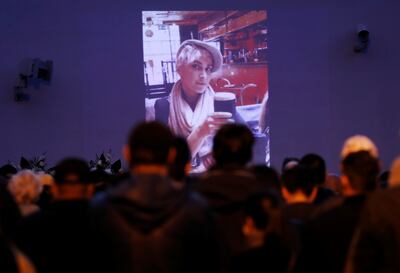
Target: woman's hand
[215,121]
[208,160]
[209,127]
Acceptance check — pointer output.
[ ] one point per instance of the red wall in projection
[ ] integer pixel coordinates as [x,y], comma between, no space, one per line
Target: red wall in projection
[249,82]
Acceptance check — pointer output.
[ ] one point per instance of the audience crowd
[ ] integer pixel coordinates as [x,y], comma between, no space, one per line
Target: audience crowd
[235,217]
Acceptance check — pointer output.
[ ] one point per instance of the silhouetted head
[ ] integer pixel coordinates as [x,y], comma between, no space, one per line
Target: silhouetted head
[360,170]
[289,162]
[233,144]
[72,171]
[180,167]
[317,166]
[149,143]
[298,179]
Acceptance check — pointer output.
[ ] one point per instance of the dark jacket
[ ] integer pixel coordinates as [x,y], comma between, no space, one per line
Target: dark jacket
[376,244]
[9,211]
[227,189]
[272,257]
[323,194]
[59,238]
[147,225]
[327,238]
[299,212]
[7,259]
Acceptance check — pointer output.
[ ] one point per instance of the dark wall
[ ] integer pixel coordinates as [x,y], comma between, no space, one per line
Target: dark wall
[321,92]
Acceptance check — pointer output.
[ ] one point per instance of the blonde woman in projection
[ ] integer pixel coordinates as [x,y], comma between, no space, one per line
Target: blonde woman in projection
[191,102]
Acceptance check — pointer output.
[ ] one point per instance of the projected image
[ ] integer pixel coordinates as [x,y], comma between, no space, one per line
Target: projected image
[203,69]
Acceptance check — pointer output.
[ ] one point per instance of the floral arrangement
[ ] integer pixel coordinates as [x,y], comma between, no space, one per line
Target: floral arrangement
[36,164]
[104,162]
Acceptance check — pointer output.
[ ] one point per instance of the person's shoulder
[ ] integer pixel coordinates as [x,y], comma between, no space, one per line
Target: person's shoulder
[323,195]
[229,172]
[196,209]
[196,199]
[384,202]
[326,192]
[102,198]
[32,220]
[330,204]
[388,195]
[33,227]
[230,179]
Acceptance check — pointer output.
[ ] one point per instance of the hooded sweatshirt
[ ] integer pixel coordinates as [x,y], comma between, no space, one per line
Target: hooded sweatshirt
[150,226]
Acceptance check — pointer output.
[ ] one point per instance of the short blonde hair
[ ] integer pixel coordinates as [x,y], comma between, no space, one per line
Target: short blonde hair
[359,143]
[188,53]
[25,187]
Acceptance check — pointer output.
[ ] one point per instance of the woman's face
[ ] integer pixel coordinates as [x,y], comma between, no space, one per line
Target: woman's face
[196,73]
